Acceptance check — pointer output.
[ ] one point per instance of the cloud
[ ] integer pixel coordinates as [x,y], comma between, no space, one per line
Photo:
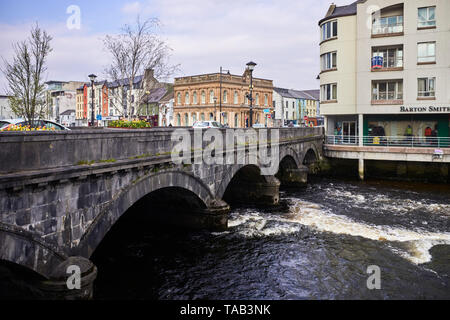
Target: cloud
[281,36]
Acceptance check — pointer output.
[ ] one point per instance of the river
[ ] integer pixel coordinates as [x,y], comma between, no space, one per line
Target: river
[318,244]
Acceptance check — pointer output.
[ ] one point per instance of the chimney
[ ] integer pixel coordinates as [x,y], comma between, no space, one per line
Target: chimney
[149,74]
[331,10]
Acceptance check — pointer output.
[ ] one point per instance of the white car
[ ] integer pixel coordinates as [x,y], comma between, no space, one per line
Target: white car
[258,126]
[206,124]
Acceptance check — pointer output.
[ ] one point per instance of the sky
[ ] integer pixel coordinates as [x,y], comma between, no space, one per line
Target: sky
[281,36]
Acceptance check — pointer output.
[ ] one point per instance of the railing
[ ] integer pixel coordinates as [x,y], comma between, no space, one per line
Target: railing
[391,141]
[387,28]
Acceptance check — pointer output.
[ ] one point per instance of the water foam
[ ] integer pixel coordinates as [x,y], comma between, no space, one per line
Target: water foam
[418,243]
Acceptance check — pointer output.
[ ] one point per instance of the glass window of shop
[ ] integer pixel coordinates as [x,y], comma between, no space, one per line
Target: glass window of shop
[415,128]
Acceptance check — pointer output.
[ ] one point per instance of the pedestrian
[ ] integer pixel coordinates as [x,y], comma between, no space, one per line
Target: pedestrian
[428,135]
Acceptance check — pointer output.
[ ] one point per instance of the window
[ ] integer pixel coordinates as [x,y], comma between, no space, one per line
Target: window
[186,98]
[202,116]
[427,17]
[186,120]
[257,100]
[328,61]
[329,92]
[426,52]
[178,120]
[426,87]
[329,30]
[287,115]
[386,25]
[211,117]
[203,97]
[225,118]
[194,98]
[387,90]
[287,105]
[211,96]
[266,100]
[236,97]
[194,118]
[236,121]
[392,57]
[246,98]
[225,96]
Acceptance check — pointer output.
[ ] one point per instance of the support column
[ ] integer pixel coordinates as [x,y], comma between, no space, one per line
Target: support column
[294,178]
[361,168]
[64,280]
[265,193]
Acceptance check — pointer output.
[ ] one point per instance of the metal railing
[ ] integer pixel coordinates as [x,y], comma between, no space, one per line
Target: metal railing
[390,141]
[378,28]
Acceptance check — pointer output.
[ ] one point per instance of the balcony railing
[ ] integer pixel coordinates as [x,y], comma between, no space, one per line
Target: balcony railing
[391,141]
[379,29]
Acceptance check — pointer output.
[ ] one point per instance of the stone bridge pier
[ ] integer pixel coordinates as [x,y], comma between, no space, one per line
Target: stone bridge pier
[62,192]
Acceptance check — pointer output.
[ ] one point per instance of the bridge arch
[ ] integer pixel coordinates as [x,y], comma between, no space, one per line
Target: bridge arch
[28,250]
[131,195]
[311,155]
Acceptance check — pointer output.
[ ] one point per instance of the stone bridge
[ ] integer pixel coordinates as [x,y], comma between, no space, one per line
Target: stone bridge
[60,193]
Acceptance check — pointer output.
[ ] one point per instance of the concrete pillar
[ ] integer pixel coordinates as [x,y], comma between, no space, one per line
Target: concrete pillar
[361,168]
[62,284]
[361,129]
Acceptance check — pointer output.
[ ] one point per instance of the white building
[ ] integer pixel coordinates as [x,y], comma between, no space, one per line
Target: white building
[385,68]
[286,105]
[67,118]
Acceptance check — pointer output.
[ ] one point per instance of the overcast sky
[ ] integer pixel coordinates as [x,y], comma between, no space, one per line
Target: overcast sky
[281,36]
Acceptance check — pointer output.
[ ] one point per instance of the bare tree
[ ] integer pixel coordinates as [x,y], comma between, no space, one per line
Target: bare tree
[25,75]
[136,49]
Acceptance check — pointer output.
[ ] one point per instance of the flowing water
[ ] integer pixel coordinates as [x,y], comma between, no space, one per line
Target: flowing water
[317,245]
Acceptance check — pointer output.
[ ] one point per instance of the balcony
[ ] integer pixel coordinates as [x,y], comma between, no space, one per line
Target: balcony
[386,141]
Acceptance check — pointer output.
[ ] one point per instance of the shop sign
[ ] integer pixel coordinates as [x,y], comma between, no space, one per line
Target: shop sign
[429,109]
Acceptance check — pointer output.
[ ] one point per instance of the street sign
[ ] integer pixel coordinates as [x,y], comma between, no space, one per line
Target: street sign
[266,110]
[305,118]
[99,117]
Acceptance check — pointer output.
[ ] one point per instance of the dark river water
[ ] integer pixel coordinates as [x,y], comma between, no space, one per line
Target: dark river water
[317,245]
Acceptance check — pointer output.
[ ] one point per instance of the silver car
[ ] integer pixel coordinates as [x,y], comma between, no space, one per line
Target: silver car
[40,123]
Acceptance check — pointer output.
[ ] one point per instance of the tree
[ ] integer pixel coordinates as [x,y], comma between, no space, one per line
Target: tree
[24,75]
[136,49]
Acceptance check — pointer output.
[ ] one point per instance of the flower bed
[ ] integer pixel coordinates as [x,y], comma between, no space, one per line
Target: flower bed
[129,124]
[13,127]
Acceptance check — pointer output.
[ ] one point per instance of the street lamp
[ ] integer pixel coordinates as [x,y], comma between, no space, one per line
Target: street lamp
[215,112]
[92,77]
[251,66]
[220,94]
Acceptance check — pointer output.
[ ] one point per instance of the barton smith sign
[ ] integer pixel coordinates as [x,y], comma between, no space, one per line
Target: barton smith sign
[425,109]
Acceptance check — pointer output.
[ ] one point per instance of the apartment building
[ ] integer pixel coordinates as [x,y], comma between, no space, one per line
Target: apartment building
[385,68]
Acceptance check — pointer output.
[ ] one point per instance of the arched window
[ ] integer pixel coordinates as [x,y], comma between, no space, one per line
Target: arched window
[236,121]
[186,98]
[225,96]
[202,116]
[257,99]
[236,97]
[179,98]
[211,117]
[194,98]
[246,98]
[266,100]
[194,118]
[211,96]
[225,117]
[186,120]
[178,120]
[203,97]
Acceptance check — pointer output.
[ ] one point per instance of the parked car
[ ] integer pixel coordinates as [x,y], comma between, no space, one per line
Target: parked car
[5,123]
[207,124]
[258,126]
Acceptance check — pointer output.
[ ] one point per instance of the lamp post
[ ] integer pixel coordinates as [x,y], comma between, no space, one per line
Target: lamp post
[220,94]
[215,112]
[92,77]
[251,66]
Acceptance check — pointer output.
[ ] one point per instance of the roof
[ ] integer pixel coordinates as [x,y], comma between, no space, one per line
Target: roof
[67,112]
[155,95]
[298,94]
[125,82]
[342,11]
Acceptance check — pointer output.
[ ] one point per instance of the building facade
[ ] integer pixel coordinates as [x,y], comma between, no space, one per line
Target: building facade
[60,97]
[200,98]
[385,68]
[296,106]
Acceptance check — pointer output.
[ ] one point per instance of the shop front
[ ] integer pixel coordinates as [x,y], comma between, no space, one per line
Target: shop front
[423,128]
